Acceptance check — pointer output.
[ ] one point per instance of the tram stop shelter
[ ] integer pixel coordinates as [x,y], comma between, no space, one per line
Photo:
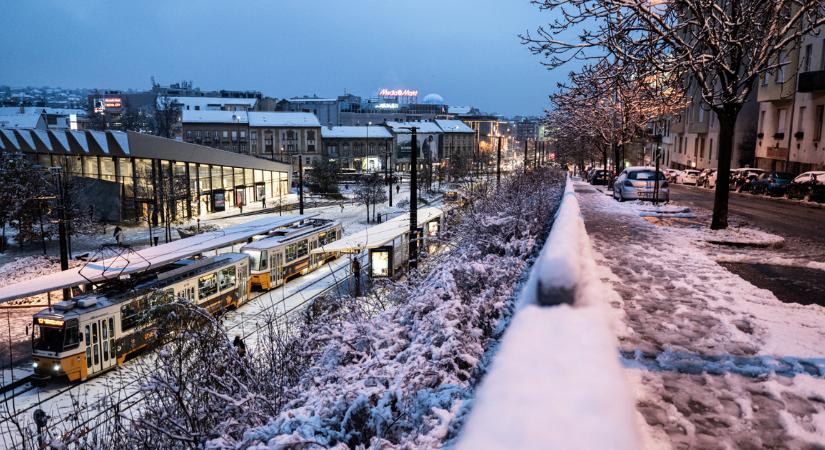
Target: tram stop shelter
[388,243]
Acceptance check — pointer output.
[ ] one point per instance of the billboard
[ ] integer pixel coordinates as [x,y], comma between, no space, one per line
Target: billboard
[427,146]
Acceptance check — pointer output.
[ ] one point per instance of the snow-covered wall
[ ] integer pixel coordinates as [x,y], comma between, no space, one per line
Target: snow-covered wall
[556,381]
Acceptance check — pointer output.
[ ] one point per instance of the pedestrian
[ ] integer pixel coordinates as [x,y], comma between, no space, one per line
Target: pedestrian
[263,202]
[239,345]
[118,234]
[342,207]
[397,188]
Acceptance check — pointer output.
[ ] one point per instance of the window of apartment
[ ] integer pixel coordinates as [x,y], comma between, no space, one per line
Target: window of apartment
[764,78]
[310,135]
[710,151]
[701,114]
[822,56]
[762,121]
[243,134]
[800,123]
[780,120]
[225,134]
[809,53]
[701,148]
[820,115]
[234,135]
[783,64]
[695,148]
[188,134]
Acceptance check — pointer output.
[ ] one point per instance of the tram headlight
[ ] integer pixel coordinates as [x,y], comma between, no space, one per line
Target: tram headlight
[34,365]
[56,367]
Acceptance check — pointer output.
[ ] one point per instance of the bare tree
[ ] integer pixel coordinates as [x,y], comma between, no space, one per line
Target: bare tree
[166,116]
[718,48]
[371,191]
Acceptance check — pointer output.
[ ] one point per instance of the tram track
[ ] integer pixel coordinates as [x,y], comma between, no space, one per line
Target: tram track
[340,275]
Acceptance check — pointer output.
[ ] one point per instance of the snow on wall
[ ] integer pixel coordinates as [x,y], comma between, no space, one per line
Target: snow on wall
[556,381]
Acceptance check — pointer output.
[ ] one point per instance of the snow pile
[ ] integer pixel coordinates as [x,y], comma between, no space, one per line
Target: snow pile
[401,378]
[741,237]
[556,381]
[771,260]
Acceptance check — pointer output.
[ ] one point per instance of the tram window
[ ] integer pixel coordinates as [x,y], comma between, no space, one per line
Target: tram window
[72,338]
[112,326]
[94,333]
[207,285]
[291,252]
[104,330]
[48,338]
[88,356]
[96,355]
[105,350]
[87,335]
[226,278]
[130,314]
[264,260]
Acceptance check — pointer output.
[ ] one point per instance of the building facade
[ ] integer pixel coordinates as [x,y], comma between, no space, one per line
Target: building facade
[359,149]
[140,177]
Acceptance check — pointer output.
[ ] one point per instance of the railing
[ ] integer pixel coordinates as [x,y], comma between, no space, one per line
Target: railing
[556,381]
[811,81]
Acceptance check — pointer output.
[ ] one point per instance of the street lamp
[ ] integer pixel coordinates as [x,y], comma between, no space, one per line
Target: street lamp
[498,160]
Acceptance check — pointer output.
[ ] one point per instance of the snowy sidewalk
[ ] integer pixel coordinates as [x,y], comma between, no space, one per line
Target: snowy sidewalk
[716,362]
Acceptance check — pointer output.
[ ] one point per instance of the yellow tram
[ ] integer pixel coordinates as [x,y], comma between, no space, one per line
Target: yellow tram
[92,333]
[288,254]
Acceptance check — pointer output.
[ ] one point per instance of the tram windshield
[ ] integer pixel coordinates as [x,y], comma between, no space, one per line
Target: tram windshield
[53,335]
[258,259]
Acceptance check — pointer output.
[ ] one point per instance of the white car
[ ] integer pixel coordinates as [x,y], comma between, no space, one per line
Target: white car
[688,177]
[639,183]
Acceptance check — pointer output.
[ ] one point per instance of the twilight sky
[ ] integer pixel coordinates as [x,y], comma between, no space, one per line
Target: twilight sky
[466,50]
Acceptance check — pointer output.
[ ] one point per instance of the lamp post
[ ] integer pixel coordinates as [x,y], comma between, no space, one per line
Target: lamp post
[498,162]
[413,256]
[300,184]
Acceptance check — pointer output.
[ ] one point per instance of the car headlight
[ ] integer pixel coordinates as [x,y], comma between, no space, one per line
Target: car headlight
[56,367]
[34,365]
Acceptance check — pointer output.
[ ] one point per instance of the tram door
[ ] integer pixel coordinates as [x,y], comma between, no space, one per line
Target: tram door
[99,338]
[313,258]
[276,276]
[243,285]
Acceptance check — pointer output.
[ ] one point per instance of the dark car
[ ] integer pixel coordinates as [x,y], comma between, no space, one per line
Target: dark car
[809,186]
[773,184]
[599,177]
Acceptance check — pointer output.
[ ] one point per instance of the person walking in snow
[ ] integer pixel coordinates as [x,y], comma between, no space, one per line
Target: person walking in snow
[239,345]
[263,202]
[118,234]
[397,188]
[342,207]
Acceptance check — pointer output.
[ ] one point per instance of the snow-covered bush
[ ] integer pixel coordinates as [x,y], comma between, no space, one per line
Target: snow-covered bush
[398,378]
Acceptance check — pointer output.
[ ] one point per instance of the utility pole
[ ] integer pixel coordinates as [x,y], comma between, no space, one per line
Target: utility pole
[61,224]
[387,176]
[413,257]
[300,184]
[498,163]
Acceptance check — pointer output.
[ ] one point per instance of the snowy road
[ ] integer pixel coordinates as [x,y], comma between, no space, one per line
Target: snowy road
[716,362]
[786,218]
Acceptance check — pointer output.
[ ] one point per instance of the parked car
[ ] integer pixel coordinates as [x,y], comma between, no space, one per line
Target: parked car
[809,186]
[599,176]
[638,182]
[773,184]
[688,176]
[742,179]
[671,174]
[702,179]
[710,182]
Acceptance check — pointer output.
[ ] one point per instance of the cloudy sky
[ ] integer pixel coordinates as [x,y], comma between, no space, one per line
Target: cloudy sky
[466,50]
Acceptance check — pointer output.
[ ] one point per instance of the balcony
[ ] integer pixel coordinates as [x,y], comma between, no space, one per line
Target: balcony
[811,81]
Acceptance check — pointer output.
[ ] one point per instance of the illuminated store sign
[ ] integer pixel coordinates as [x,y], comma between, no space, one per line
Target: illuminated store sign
[398,93]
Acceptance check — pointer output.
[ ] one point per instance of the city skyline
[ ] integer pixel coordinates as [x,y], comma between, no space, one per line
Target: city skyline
[468,56]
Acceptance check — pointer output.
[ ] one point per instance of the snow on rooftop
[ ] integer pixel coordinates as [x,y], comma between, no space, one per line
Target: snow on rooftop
[283,119]
[453,126]
[191,116]
[353,132]
[20,120]
[144,259]
[380,234]
[207,103]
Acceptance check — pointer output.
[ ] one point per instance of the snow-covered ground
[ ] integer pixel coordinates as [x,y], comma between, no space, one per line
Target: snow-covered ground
[715,361]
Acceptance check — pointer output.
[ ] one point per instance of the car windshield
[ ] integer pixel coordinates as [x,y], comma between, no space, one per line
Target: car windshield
[644,175]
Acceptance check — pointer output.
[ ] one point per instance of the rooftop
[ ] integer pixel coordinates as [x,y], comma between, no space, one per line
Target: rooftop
[453,126]
[356,132]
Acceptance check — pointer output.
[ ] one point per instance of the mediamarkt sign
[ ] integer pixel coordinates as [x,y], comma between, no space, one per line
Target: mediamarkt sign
[398,93]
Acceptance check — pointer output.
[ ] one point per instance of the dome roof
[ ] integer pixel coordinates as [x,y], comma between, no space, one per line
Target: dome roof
[433,99]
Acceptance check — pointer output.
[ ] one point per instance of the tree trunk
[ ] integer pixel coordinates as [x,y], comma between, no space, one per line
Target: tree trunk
[727,123]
